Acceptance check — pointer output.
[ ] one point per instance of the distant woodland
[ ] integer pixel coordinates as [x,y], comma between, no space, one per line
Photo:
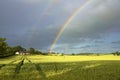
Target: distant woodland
[6,50]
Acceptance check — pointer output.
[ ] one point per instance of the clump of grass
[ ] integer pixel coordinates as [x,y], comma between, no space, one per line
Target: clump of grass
[2,66]
[8,63]
[55,67]
[28,60]
[18,66]
[38,68]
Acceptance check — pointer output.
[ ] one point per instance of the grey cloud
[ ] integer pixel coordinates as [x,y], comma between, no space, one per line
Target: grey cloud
[99,41]
[94,22]
[35,23]
[116,42]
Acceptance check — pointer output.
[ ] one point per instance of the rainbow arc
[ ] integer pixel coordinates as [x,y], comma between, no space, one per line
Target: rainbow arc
[65,24]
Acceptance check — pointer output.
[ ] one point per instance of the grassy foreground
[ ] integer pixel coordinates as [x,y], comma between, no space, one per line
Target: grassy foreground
[105,67]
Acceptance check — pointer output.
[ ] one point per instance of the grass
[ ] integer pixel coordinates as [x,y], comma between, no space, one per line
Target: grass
[38,59]
[104,67]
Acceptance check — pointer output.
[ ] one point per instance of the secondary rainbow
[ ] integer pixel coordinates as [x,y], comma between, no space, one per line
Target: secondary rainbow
[41,17]
[62,28]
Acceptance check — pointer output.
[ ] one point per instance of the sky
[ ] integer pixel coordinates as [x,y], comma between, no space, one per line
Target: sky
[35,23]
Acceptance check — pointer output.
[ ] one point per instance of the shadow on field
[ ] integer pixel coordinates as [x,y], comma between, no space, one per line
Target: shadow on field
[100,70]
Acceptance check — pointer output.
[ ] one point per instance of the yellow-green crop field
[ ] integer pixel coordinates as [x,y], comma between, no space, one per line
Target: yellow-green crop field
[37,67]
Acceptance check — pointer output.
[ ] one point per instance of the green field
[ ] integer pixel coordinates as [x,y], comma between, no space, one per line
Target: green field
[29,67]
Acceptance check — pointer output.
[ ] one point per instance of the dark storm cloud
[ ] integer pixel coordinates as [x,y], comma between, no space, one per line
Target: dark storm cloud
[116,42]
[101,18]
[18,19]
[35,23]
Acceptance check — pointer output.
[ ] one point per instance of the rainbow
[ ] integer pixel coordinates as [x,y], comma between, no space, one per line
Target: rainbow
[62,28]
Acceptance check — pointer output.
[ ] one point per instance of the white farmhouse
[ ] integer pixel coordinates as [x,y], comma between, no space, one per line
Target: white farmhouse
[17,53]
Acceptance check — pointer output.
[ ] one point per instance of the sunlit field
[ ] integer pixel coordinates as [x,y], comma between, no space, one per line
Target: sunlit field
[37,67]
[65,58]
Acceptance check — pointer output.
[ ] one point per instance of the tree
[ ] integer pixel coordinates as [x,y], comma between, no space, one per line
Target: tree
[114,54]
[73,54]
[3,46]
[31,50]
[117,53]
[9,51]
[38,52]
[5,50]
[18,49]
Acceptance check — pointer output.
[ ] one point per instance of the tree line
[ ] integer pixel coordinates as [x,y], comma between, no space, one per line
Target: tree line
[6,50]
[117,53]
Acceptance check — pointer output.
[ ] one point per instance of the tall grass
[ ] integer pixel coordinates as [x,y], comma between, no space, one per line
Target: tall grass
[18,66]
[81,70]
